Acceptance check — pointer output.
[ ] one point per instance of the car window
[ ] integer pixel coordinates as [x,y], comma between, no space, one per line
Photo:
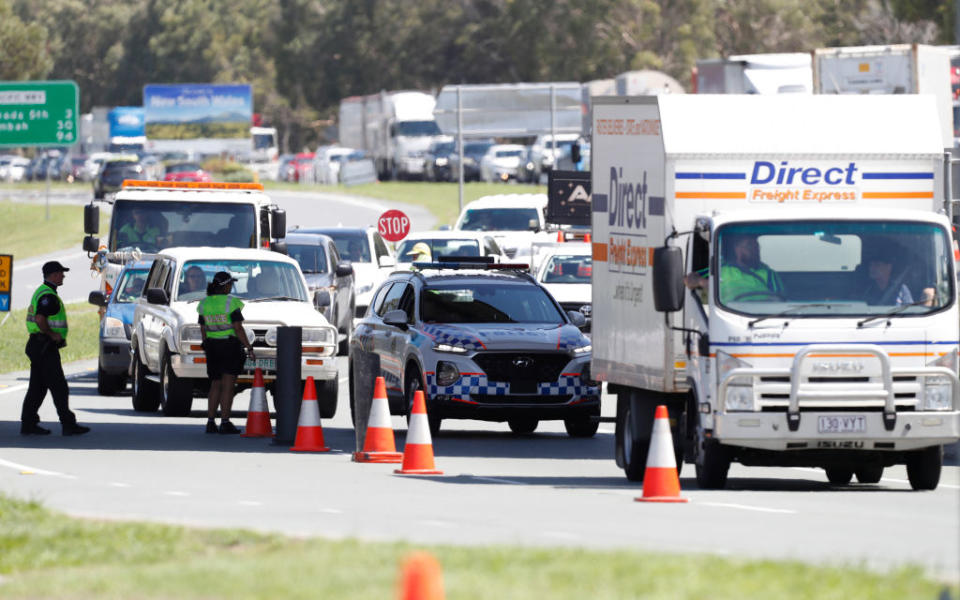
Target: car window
[130,286]
[441,247]
[351,245]
[312,258]
[568,269]
[392,299]
[499,219]
[377,303]
[406,302]
[256,279]
[380,246]
[463,302]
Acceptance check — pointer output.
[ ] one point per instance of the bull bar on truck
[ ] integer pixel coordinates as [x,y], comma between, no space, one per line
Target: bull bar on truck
[751,428]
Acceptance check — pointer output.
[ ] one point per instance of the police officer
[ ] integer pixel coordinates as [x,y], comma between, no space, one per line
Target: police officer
[221,325]
[47,326]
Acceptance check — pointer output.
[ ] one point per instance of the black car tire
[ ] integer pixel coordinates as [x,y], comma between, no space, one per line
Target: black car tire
[146,397]
[176,393]
[109,384]
[839,475]
[869,473]
[713,464]
[582,427]
[327,390]
[523,425]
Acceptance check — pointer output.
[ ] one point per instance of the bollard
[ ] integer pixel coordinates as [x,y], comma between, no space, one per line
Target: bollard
[366,368]
[288,390]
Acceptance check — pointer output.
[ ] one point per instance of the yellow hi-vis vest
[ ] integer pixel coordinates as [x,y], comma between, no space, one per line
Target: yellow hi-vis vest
[216,310]
[57,322]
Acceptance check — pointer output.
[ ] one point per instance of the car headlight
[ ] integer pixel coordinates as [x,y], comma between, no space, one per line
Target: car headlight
[441,162]
[190,334]
[583,349]
[113,328]
[318,335]
[450,348]
[271,337]
[447,373]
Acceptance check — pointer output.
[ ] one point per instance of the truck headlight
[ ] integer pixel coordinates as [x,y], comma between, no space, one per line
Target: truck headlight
[113,328]
[190,334]
[318,335]
[739,398]
[447,373]
[937,394]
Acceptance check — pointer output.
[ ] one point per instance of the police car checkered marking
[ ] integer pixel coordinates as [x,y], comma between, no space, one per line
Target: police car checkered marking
[449,335]
[479,384]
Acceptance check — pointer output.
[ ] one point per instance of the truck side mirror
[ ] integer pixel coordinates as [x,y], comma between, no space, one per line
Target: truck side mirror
[97,298]
[575,153]
[668,285]
[321,299]
[533,225]
[157,296]
[279,229]
[91,244]
[91,219]
[280,247]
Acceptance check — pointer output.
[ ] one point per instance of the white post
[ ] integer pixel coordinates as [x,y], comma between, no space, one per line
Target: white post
[460,151]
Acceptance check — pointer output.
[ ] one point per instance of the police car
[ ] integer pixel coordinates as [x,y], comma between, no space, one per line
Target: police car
[483,341]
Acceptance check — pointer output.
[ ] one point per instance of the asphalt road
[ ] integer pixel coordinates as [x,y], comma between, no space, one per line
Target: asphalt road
[544,489]
[306,209]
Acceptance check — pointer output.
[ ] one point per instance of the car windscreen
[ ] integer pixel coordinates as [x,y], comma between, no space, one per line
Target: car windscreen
[442,149]
[443,247]
[256,280]
[183,168]
[508,153]
[311,257]
[154,225]
[567,269]
[499,219]
[417,128]
[352,245]
[487,303]
[476,149]
[130,286]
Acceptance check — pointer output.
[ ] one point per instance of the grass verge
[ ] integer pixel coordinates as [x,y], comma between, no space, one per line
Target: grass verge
[441,199]
[25,230]
[46,554]
[82,340]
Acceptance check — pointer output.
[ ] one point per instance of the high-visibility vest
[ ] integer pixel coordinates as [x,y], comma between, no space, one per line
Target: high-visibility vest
[57,322]
[736,281]
[216,310]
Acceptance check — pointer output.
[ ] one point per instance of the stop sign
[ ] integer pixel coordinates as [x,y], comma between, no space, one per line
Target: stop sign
[393,225]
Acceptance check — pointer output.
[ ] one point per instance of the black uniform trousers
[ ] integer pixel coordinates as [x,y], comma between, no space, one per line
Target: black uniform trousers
[46,373]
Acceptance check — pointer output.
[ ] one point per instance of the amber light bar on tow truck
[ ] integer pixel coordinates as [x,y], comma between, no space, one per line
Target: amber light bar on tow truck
[191,185]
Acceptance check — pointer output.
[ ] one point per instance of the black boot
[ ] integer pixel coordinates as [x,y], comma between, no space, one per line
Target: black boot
[33,429]
[75,429]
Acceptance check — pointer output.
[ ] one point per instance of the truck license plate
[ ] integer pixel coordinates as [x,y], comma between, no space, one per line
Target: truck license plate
[845,424]
[267,364]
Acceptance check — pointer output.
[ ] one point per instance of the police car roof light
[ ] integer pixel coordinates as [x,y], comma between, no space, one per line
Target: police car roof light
[472,265]
[466,259]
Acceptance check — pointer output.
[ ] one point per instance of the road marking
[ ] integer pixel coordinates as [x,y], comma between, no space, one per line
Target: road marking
[15,388]
[176,493]
[747,507]
[34,263]
[118,484]
[496,480]
[26,470]
[250,503]
[331,511]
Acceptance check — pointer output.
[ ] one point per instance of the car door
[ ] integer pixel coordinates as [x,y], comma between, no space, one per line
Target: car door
[151,323]
[342,283]
[388,338]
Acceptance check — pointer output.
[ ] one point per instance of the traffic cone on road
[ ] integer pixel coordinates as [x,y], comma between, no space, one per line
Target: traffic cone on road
[378,443]
[587,238]
[421,578]
[258,415]
[660,480]
[309,430]
[418,450]
[561,237]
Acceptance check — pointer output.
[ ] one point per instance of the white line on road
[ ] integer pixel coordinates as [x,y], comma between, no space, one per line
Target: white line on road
[14,388]
[331,511]
[35,263]
[496,480]
[26,470]
[747,507]
[176,493]
[118,484]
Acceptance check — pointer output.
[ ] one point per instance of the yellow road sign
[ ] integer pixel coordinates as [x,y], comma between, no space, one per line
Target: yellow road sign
[6,281]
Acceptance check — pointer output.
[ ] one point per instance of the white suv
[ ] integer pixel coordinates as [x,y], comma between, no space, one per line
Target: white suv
[168,366]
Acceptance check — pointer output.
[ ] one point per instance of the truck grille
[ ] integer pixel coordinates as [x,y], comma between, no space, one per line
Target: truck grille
[542,367]
[774,393]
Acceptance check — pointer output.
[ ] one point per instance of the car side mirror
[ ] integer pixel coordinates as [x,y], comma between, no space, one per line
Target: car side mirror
[575,153]
[91,219]
[344,270]
[157,296]
[97,298]
[321,299]
[396,318]
[668,288]
[387,261]
[91,244]
[576,318]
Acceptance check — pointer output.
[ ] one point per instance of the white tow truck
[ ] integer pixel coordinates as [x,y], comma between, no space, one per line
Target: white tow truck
[819,323]
[236,215]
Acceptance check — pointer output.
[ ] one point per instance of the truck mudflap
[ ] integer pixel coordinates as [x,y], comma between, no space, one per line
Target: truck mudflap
[854,423]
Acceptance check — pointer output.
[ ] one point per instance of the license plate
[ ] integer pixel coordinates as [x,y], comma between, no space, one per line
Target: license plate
[845,424]
[267,364]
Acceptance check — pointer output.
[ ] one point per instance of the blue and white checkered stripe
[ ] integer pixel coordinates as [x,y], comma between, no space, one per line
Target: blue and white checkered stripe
[447,335]
[478,384]
[567,385]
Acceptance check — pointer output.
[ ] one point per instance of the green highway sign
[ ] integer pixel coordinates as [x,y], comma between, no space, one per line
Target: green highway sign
[38,113]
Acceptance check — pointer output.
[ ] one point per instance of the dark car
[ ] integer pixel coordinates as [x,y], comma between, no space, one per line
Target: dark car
[323,269]
[436,165]
[111,176]
[473,151]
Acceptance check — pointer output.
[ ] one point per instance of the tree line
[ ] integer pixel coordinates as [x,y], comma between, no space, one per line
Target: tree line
[303,56]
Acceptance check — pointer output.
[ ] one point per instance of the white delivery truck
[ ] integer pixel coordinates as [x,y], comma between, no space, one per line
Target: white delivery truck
[777,73]
[821,329]
[394,128]
[890,69]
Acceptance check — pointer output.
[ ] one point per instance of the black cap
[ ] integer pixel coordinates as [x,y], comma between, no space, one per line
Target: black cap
[49,268]
[222,278]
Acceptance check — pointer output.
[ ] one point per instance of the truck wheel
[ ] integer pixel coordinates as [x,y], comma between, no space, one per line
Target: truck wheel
[176,393]
[143,391]
[713,464]
[634,426]
[923,467]
[109,384]
[839,475]
[344,347]
[523,425]
[327,391]
[869,474]
[582,427]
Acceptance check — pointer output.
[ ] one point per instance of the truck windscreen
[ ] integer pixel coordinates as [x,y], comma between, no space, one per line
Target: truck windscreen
[833,268]
[154,225]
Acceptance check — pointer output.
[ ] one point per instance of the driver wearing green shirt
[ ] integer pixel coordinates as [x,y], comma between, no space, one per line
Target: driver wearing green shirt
[139,232]
[743,276]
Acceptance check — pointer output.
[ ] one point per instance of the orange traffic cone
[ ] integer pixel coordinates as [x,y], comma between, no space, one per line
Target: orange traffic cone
[660,480]
[418,451]
[561,237]
[587,238]
[258,415]
[309,430]
[378,444]
[421,578]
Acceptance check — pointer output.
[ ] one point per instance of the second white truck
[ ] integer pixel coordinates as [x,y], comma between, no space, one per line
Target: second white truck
[818,326]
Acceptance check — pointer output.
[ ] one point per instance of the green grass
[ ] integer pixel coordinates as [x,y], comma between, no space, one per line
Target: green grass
[46,554]
[25,230]
[441,199]
[82,339]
